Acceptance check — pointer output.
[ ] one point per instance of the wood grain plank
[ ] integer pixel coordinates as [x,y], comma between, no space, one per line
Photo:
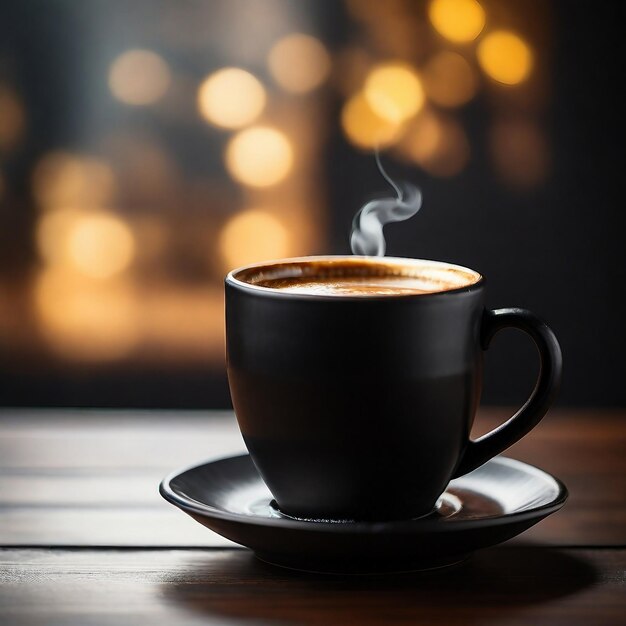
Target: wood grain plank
[91,477]
[166,526]
[516,586]
[116,440]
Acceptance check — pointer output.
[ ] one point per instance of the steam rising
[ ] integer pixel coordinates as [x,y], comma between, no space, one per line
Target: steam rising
[367,236]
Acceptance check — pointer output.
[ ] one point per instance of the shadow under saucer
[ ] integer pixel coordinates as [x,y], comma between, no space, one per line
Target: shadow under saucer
[494,585]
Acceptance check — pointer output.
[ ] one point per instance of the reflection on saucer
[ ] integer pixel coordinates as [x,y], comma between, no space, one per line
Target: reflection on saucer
[447,505]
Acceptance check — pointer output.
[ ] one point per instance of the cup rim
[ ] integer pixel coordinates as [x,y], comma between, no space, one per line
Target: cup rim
[232,280]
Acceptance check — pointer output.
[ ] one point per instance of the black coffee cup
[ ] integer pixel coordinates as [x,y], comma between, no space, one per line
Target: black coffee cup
[360,406]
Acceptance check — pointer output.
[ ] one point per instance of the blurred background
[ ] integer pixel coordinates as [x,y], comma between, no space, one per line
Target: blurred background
[148,147]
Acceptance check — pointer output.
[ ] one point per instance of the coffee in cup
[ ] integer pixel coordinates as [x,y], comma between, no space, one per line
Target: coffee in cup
[356,277]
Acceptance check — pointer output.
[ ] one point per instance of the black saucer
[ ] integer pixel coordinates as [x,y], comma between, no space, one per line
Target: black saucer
[493,503]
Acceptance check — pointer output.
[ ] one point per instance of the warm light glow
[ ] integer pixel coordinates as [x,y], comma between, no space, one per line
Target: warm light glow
[231,98]
[85,320]
[181,323]
[53,230]
[437,144]
[101,245]
[424,138]
[449,79]
[505,57]
[251,236]
[363,127]
[11,118]
[61,179]
[394,92]
[299,63]
[459,21]
[97,244]
[520,152]
[260,156]
[139,77]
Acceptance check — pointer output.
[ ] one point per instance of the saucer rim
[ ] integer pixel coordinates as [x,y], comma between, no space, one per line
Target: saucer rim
[431,525]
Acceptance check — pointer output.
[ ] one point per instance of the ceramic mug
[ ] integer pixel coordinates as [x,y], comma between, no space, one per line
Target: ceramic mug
[360,407]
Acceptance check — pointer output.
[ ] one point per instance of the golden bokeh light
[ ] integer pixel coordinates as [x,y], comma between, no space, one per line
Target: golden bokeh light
[505,57]
[394,92]
[52,235]
[251,236]
[231,98]
[139,77]
[423,139]
[449,80]
[101,245]
[96,244]
[12,118]
[459,21]
[520,152]
[61,179]
[299,63]
[364,127]
[83,319]
[438,144]
[259,156]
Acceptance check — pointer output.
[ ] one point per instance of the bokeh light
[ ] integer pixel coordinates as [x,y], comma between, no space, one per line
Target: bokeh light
[520,152]
[52,235]
[394,92]
[61,179]
[364,127]
[459,21]
[12,118]
[83,319]
[437,143]
[260,156]
[231,98]
[251,236]
[101,245]
[96,244]
[299,63]
[449,80]
[505,57]
[139,77]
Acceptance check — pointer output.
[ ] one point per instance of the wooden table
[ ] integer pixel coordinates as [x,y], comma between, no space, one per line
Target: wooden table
[86,539]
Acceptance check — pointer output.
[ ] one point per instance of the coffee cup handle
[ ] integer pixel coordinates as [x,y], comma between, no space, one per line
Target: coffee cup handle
[486,447]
